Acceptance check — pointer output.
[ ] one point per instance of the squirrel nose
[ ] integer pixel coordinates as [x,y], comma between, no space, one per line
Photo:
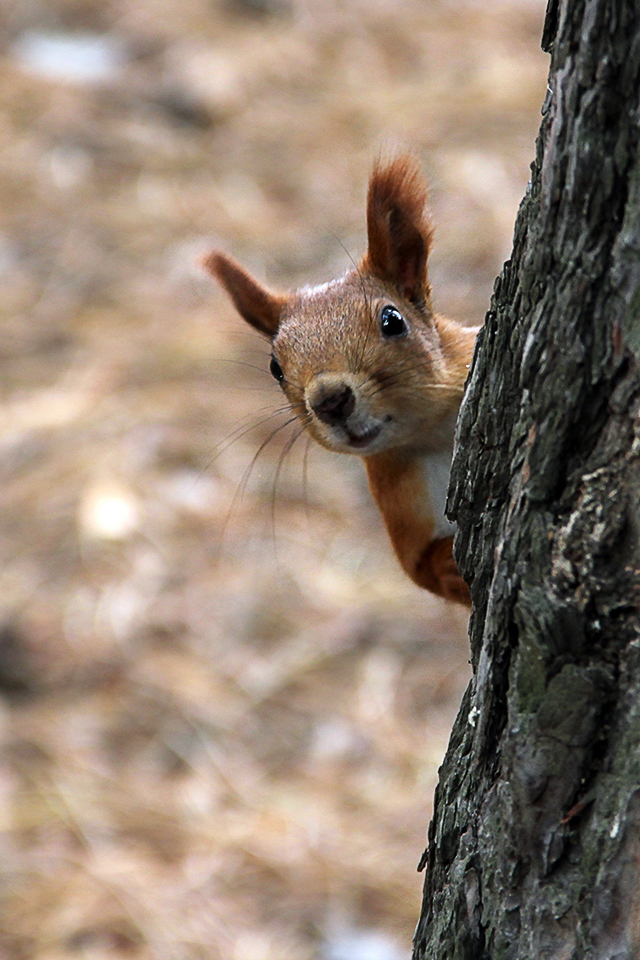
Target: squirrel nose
[334,406]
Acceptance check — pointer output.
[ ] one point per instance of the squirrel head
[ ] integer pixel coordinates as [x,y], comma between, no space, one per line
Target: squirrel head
[360,359]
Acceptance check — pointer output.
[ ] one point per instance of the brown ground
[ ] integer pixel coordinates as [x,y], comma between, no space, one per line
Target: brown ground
[222,705]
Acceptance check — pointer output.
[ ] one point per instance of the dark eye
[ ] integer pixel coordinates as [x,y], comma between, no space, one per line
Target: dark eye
[392,323]
[276,370]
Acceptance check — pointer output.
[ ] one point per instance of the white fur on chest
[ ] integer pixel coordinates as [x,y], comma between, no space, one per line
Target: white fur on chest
[436,468]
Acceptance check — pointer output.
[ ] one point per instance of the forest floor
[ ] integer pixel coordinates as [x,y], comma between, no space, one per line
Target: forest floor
[222,705]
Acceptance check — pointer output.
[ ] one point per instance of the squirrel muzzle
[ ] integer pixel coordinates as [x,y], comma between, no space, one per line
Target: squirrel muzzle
[340,414]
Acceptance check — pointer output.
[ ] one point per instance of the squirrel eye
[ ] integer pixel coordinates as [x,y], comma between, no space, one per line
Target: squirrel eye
[276,370]
[392,323]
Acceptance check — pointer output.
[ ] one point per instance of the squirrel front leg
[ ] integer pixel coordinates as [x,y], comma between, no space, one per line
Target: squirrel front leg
[438,572]
[422,542]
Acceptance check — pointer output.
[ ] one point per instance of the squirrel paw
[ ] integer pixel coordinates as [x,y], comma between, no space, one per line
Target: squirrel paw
[437,572]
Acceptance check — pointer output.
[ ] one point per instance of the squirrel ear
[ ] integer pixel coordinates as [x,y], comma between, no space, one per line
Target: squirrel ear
[399,232]
[254,303]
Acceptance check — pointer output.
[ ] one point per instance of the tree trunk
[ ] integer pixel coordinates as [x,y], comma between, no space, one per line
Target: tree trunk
[535,842]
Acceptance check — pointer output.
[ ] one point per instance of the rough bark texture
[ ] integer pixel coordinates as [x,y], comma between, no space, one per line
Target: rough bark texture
[534,846]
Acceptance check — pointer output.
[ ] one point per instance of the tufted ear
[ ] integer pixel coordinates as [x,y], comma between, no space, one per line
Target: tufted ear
[399,232]
[255,304]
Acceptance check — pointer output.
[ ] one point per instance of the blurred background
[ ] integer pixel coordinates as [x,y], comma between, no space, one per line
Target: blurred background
[222,705]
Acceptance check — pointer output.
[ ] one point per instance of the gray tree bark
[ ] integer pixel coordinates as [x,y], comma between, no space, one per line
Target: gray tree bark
[534,847]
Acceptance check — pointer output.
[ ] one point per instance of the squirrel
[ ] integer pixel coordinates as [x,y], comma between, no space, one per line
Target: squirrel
[371,370]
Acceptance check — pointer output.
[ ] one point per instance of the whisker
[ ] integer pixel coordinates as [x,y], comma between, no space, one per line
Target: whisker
[274,490]
[405,366]
[362,277]
[242,430]
[400,368]
[237,434]
[265,443]
[349,255]
[305,477]
[242,486]
[424,390]
[369,329]
[239,363]
[397,376]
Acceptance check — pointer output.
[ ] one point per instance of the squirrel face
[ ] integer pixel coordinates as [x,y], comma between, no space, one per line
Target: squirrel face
[362,368]
[363,361]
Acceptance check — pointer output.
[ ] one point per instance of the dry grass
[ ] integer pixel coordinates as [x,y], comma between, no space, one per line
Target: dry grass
[223,707]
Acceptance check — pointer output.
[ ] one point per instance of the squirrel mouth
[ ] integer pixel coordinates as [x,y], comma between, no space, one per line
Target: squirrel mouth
[358,440]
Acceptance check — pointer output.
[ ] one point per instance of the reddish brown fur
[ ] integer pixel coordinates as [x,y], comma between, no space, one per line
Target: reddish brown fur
[438,572]
[259,307]
[394,483]
[398,230]
[390,398]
